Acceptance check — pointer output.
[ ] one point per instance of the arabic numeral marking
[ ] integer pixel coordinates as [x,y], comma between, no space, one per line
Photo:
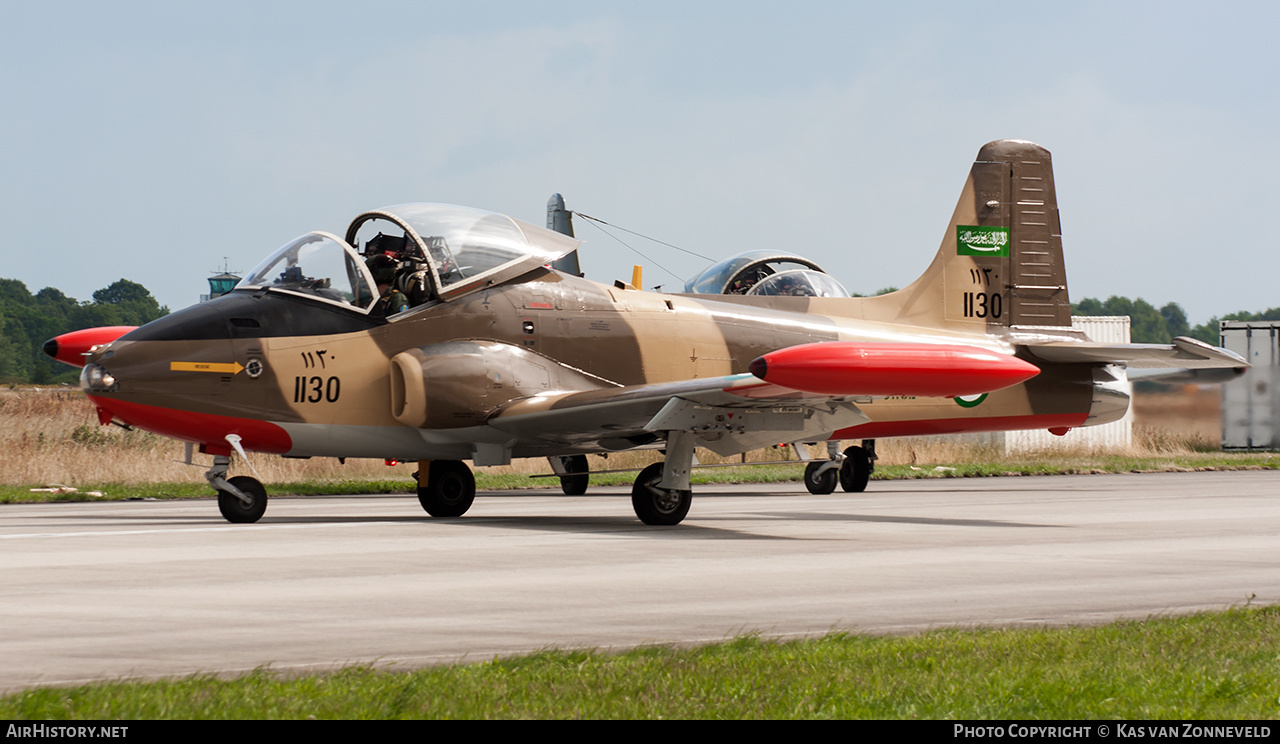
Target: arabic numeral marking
[316,389]
[983,305]
[980,276]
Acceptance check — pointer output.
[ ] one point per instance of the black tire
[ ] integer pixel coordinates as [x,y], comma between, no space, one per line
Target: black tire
[449,490]
[855,471]
[575,485]
[236,511]
[820,484]
[658,506]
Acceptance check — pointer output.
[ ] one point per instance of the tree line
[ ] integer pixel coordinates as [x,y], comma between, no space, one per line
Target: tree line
[28,320]
[1147,325]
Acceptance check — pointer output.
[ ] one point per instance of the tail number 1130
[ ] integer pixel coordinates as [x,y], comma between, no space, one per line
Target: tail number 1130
[983,304]
[316,389]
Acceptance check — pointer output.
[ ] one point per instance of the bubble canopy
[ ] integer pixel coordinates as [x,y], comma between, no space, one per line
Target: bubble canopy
[465,249]
[799,283]
[316,265]
[459,249]
[738,274]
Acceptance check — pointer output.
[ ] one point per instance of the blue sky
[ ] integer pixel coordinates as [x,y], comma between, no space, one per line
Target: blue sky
[151,140]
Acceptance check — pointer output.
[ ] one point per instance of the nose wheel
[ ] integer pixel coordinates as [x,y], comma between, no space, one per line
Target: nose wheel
[242,500]
[234,508]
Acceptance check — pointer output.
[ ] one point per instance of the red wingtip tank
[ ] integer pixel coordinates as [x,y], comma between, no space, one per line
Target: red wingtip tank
[928,370]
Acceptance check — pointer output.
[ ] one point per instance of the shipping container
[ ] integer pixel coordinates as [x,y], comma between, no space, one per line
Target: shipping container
[1112,329]
[1251,403]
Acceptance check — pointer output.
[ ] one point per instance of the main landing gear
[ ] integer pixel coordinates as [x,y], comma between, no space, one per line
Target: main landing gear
[661,494]
[242,500]
[446,488]
[573,471]
[851,469]
[656,499]
[857,466]
[655,504]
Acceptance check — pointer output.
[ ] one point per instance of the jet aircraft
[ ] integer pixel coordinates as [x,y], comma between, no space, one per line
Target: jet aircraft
[505,352]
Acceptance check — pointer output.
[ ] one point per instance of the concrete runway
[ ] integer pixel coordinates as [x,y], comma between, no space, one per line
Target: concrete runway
[108,590]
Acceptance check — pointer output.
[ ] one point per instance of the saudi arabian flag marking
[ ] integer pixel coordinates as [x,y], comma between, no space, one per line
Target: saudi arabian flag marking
[972,240]
[969,401]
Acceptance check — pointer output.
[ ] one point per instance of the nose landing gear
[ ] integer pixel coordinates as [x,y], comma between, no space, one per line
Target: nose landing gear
[242,500]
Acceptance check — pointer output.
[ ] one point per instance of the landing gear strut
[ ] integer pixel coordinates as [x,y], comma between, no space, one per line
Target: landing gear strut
[242,500]
[657,505]
[446,488]
[858,464]
[661,494]
[573,471]
[820,476]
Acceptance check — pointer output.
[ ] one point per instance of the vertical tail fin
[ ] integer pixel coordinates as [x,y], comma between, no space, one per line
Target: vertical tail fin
[561,220]
[1000,263]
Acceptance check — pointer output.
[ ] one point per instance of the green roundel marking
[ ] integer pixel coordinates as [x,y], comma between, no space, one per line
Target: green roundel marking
[969,401]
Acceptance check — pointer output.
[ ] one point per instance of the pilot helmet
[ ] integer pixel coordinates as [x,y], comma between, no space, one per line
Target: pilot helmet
[383,269]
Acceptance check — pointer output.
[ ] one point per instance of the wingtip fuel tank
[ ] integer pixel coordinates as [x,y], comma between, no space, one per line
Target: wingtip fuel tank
[926,370]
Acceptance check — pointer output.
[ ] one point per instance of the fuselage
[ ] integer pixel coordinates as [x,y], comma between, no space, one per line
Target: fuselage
[292,376]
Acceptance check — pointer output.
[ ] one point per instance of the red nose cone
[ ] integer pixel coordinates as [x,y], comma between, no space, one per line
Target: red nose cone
[71,347]
[927,370]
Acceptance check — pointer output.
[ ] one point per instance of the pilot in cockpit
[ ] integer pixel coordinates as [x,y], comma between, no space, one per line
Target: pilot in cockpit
[390,300]
[410,276]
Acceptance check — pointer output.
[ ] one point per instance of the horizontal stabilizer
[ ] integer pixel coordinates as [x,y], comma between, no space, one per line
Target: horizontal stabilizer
[1183,353]
[1203,376]
[927,370]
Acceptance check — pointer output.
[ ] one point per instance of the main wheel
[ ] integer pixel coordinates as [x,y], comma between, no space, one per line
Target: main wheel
[855,471]
[449,488]
[236,511]
[822,483]
[656,505]
[574,485]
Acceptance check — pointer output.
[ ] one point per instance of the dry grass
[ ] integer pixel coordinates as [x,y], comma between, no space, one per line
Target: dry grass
[53,436]
[1189,418]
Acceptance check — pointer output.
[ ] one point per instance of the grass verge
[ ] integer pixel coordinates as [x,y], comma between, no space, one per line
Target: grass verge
[1221,665]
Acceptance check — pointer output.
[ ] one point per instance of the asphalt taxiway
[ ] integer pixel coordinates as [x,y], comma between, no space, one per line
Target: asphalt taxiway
[157,588]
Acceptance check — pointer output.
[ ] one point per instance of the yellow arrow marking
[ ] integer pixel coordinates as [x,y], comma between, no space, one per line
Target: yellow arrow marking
[219,367]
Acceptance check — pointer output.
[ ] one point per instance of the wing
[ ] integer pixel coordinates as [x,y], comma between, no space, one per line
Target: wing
[803,393]
[730,414]
[1183,353]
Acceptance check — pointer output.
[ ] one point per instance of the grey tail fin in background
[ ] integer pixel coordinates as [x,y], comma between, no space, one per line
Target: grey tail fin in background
[561,220]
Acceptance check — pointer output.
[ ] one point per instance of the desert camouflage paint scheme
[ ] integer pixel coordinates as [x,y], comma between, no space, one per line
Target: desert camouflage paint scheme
[503,357]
